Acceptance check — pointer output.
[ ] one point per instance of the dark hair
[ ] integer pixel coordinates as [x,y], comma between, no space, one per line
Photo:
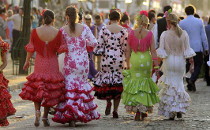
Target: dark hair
[2,10]
[80,16]
[190,10]
[152,11]
[166,8]
[160,14]
[151,15]
[48,16]
[181,18]
[98,16]
[197,15]
[71,11]
[114,15]
[35,10]
[124,18]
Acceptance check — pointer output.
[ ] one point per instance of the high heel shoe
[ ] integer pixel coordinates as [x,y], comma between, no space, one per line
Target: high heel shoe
[72,123]
[143,115]
[45,122]
[179,115]
[37,118]
[137,117]
[115,114]
[108,108]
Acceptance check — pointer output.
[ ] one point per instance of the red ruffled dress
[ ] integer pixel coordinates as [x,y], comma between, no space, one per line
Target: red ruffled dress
[6,107]
[46,84]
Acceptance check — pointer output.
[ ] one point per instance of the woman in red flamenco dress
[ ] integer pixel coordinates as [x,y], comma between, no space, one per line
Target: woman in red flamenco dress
[45,86]
[6,107]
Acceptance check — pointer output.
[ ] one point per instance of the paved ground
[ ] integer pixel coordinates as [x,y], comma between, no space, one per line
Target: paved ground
[197,117]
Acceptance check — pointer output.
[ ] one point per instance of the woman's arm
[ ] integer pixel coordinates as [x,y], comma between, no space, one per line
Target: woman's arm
[4,56]
[128,55]
[27,63]
[153,51]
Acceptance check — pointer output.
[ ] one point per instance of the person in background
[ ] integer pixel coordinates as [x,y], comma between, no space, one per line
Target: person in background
[125,21]
[93,28]
[3,24]
[181,18]
[197,16]
[198,42]
[206,58]
[17,28]
[160,15]
[99,23]
[35,22]
[152,21]
[10,25]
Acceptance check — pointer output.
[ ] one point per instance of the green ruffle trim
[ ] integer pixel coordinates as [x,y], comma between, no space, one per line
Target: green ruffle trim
[139,91]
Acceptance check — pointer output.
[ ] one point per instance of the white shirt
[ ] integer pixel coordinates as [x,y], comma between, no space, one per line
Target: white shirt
[17,22]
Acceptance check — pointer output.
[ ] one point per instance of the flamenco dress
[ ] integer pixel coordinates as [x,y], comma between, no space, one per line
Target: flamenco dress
[46,84]
[6,107]
[108,81]
[174,51]
[140,92]
[78,105]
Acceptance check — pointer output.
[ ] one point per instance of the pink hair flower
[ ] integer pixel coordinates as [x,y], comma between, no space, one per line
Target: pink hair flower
[143,12]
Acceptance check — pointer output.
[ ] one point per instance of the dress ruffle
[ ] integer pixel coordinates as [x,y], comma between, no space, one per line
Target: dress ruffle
[108,85]
[139,93]
[189,53]
[161,53]
[108,78]
[49,90]
[79,105]
[6,107]
[173,97]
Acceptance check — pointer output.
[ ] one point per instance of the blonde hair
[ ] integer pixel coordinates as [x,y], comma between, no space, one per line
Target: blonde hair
[141,20]
[173,19]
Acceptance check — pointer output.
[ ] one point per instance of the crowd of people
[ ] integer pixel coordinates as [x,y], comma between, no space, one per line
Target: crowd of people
[129,57]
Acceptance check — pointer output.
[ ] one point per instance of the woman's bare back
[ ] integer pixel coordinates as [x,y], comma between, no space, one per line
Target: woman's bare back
[114,28]
[47,33]
[78,30]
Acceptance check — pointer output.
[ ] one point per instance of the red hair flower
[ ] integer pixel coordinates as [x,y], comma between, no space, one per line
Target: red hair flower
[143,12]
[42,13]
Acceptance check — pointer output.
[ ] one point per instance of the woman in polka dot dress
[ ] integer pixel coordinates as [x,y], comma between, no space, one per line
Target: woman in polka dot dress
[112,45]
[139,93]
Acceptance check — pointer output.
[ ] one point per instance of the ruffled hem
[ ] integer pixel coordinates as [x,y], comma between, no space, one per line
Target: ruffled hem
[161,53]
[188,53]
[139,91]
[62,48]
[79,106]
[173,97]
[4,46]
[3,82]
[4,123]
[47,90]
[139,107]
[108,78]
[6,108]
[49,78]
[108,91]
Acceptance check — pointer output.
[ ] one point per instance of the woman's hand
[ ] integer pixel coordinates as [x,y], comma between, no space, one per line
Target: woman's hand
[26,65]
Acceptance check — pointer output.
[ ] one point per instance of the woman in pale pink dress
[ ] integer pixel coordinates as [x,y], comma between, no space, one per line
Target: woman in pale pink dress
[79,105]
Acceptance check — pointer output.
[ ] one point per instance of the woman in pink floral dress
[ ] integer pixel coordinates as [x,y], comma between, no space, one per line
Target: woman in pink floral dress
[79,105]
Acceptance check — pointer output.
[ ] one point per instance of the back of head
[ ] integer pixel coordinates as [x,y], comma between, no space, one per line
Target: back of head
[151,15]
[125,17]
[98,17]
[142,19]
[48,16]
[166,8]
[173,20]
[190,10]
[114,16]
[72,14]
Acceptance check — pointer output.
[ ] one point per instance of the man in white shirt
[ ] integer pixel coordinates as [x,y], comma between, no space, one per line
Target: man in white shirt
[17,28]
[198,42]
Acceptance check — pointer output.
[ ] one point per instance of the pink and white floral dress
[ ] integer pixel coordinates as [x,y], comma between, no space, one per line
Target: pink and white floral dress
[79,103]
